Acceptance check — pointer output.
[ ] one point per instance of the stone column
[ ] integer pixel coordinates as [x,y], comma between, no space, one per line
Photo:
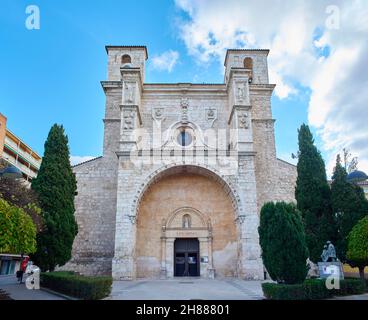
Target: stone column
[163,257]
[251,266]
[170,257]
[123,265]
[211,269]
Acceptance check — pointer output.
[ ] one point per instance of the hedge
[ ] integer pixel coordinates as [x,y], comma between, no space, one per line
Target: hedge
[311,289]
[83,287]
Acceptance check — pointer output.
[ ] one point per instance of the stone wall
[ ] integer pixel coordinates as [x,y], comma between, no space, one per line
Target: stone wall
[286,182]
[95,206]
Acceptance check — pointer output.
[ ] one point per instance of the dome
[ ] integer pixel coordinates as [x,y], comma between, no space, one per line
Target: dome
[356,176]
[12,172]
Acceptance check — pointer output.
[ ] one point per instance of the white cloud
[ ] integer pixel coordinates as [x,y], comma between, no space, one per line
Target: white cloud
[165,61]
[74,160]
[296,33]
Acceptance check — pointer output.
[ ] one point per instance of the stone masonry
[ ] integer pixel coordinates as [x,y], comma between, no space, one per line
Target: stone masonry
[180,160]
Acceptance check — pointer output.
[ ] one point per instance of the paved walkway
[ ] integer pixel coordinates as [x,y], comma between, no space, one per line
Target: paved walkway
[18,291]
[355,297]
[187,289]
[173,289]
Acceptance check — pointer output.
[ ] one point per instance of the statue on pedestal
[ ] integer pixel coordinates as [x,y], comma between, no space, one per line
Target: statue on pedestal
[329,252]
[330,265]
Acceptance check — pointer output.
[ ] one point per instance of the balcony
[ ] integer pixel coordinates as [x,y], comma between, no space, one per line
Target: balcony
[12,160]
[21,153]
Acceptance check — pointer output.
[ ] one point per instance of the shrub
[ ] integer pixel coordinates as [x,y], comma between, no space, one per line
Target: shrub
[274,291]
[316,289]
[311,289]
[350,287]
[282,238]
[17,230]
[83,287]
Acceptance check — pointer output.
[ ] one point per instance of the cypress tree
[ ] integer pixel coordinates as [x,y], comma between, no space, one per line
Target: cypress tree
[349,206]
[283,243]
[56,187]
[313,195]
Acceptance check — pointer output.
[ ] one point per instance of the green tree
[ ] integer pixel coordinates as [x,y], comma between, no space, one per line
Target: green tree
[313,195]
[56,187]
[17,230]
[17,193]
[357,252]
[283,243]
[349,206]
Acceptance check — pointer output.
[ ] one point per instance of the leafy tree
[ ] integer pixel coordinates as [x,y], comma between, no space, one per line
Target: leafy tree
[283,243]
[313,195]
[17,193]
[56,187]
[17,231]
[349,205]
[349,165]
[357,252]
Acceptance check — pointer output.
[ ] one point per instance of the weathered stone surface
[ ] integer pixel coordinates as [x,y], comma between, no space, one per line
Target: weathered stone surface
[129,207]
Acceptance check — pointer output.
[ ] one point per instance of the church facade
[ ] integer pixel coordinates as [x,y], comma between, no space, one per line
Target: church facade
[185,171]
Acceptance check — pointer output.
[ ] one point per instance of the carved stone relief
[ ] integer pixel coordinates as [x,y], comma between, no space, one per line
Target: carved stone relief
[243,120]
[211,115]
[128,121]
[184,104]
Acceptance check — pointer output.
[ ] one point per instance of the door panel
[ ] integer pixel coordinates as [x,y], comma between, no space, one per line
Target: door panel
[186,254]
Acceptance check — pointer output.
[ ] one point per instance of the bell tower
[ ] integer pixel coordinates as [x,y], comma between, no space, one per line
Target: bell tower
[126,64]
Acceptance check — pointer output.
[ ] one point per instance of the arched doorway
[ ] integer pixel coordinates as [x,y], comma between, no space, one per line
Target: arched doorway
[185,205]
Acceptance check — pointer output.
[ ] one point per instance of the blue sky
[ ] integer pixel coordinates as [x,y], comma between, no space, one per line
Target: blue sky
[53,75]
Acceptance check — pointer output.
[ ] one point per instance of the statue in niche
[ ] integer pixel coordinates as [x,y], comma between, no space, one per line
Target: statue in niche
[241,92]
[129,92]
[186,221]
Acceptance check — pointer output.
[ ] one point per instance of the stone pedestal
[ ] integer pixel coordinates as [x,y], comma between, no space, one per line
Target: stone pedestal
[327,269]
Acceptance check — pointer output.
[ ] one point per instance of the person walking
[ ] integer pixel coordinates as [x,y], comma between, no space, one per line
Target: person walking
[22,269]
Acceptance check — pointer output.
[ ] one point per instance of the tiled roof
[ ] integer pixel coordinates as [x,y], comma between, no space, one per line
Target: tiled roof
[76,165]
[247,50]
[123,47]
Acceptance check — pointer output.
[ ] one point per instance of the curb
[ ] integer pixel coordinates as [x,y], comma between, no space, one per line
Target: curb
[58,294]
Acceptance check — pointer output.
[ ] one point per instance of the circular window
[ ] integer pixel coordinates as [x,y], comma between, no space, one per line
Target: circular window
[184,138]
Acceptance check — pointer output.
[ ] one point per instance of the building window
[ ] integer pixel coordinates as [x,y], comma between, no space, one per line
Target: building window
[248,64]
[126,59]
[184,138]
